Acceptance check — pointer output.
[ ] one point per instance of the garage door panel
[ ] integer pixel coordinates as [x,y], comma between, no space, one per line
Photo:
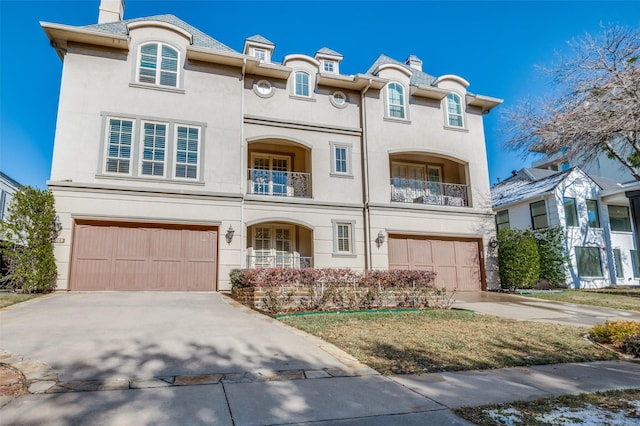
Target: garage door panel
[398,253]
[444,253]
[137,257]
[447,277]
[467,253]
[468,276]
[95,272]
[420,254]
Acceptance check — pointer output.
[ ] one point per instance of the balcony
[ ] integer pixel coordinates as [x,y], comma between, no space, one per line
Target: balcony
[279,261]
[426,192]
[281,184]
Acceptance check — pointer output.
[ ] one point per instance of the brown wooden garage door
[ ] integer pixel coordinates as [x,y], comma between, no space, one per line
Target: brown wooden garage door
[456,262]
[118,256]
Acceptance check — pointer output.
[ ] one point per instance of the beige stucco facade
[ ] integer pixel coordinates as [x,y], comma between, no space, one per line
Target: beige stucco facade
[317,168]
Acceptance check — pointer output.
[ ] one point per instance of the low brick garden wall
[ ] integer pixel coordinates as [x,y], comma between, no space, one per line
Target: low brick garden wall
[284,290]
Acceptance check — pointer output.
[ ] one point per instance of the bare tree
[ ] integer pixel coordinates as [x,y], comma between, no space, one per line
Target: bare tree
[595,104]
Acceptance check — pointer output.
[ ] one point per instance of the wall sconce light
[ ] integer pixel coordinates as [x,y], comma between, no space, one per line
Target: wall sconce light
[229,234]
[380,239]
[56,228]
[493,243]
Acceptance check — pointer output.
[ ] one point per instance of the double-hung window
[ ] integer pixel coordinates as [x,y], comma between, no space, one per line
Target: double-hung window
[502,220]
[187,152]
[589,262]
[570,211]
[343,243]
[454,110]
[154,143]
[341,159]
[301,84]
[592,214]
[395,100]
[539,215]
[119,139]
[158,64]
[619,218]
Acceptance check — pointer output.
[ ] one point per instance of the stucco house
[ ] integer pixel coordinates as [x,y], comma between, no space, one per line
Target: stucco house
[177,159]
[593,211]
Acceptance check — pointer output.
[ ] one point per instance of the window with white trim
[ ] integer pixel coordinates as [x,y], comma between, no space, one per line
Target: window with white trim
[158,64]
[395,100]
[187,152]
[454,110]
[588,261]
[329,66]
[341,159]
[154,143]
[119,139]
[343,237]
[502,220]
[301,84]
[260,54]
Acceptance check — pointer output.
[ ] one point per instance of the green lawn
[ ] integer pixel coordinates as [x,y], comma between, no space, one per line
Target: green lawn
[431,341]
[593,298]
[7,299]
[588,408]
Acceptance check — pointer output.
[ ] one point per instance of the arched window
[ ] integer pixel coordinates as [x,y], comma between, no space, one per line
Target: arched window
[395,100]
[454,110]
[301,84]
[158,64]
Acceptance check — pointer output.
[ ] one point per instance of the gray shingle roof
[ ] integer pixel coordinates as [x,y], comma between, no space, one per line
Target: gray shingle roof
[327,51]
[605,183]
[518,188]
[536,174]
[418,78]
[259,39]
[200,39]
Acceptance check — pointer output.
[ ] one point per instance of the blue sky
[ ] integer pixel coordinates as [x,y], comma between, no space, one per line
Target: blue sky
[493,45]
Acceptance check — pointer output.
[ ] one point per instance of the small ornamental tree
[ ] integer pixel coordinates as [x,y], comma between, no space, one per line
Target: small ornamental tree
[518,260]
[553,260]
[27,242]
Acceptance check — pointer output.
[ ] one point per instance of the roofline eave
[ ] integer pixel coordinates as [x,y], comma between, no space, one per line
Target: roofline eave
[60,35]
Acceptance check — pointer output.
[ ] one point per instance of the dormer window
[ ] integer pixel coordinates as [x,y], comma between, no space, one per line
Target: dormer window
[329,66]
[454,110]
[158,64]
[395,101]
[301,84]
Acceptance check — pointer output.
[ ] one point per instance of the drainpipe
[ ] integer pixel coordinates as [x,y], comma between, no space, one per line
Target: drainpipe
[365,180]
[242,168]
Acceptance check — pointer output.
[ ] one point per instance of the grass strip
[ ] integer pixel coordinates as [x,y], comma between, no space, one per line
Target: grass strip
[433,341]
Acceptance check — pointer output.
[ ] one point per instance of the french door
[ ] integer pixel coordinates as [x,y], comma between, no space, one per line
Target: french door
[273,246]
[270,174]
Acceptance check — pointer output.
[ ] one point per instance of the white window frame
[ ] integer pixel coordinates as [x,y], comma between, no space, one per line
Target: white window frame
[329,67]
[350,239]
[264,84]
[272,251]
[403,101]
[158,65]
[107,157]
[335,146]
[262,54]
[450,115]
[177,163]
[142,147]
[308,84]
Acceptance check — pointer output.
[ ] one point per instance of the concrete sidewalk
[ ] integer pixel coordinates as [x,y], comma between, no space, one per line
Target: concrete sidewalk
[531,309]
[321,400]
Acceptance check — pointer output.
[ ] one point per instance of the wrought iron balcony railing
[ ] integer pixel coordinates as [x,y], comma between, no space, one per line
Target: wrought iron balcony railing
[279,261]
[425,192]
[283,184]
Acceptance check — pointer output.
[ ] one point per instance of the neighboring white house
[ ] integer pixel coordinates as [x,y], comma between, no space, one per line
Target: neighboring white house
[601,165]
[593,211]
[177,159]
[8,187]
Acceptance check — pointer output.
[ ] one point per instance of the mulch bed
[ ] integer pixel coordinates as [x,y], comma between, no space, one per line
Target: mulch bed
[11,381]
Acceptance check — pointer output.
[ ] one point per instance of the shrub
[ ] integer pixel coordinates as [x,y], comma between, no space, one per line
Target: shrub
[27,247]
[553,260]
[631,345]
[518,259]
[615,332]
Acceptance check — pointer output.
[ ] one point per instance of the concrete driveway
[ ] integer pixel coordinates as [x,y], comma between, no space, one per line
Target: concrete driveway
[531,309]
[93,336]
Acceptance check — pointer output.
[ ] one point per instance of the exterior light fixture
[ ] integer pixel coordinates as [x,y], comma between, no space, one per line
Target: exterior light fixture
[56,228]
[493,243]
[380,239]
[229,234]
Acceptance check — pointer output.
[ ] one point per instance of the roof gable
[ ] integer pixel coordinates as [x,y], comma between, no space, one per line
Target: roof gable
[418,78]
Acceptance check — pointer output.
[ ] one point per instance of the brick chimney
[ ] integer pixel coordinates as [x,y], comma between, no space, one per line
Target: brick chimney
[110,11]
